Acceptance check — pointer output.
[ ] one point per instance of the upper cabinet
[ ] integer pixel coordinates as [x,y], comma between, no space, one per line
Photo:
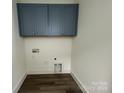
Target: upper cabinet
[47,19]
[33,19]
[63,20]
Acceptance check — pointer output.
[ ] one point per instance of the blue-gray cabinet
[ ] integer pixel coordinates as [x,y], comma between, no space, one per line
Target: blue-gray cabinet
[32,19]
[47,19]
[63,19]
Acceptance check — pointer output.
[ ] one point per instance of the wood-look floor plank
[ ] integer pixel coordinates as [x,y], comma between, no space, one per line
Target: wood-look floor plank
[49,83]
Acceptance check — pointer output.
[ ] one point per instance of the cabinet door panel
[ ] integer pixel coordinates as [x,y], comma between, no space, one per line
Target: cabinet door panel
[33,19]
[63,19]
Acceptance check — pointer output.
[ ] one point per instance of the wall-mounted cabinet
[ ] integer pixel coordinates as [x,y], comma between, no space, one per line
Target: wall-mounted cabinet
[47,19]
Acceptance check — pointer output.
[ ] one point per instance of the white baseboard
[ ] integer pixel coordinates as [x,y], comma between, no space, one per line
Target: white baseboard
[18,85]
[79,83]
[46,72]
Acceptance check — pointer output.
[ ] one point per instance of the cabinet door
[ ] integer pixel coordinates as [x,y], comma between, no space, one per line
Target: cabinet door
[33,19]
[63,19]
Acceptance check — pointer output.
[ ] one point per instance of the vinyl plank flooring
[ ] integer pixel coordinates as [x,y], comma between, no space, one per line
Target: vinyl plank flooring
[49,83]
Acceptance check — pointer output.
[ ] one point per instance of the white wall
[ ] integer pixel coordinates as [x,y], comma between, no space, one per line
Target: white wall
[92,48]
[59,47]
[50,48]
[18,65]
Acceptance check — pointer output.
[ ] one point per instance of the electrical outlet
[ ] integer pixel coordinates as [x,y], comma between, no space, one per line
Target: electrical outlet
[35,50]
